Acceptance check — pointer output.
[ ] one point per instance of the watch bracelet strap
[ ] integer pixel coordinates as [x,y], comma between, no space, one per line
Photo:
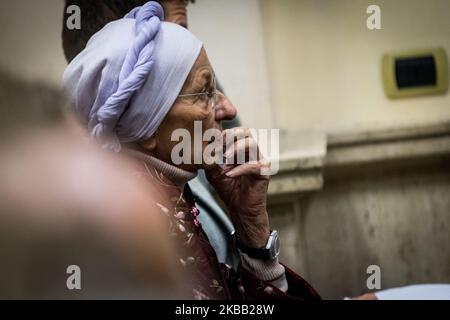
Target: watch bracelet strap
[257,253]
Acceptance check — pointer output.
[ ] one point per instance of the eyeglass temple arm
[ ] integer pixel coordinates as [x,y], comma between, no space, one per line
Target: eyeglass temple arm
[194,94]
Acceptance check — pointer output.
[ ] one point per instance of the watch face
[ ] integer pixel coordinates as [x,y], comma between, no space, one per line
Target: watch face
[275,246]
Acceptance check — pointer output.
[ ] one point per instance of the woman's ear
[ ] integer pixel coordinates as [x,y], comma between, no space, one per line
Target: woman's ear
[149,144]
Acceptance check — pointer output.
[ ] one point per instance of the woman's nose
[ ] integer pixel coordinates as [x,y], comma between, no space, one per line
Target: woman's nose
[224,109]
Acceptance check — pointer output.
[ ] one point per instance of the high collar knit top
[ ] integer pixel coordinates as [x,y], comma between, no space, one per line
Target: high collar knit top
[178,176]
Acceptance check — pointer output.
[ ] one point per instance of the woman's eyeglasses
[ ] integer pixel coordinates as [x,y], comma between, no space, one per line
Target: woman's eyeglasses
[209,96]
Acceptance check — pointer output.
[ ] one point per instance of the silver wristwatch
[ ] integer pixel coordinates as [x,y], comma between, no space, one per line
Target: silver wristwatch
[269,252]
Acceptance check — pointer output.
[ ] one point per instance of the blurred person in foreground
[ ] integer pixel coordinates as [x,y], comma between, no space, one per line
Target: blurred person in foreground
[138,81]
[63,203]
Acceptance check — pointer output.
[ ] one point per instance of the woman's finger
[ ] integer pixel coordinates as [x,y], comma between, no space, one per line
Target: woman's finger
[229,136]
[242,151]
[255,168]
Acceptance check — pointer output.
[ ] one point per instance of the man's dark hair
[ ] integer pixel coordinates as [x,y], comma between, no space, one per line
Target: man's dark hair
[95,14]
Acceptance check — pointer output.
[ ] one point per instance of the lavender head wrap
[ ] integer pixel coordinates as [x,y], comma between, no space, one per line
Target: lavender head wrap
[127,78]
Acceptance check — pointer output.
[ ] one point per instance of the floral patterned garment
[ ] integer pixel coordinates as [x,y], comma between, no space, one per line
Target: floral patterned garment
[210,279]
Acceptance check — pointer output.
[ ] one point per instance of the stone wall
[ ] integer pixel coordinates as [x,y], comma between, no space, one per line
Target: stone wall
[384,200]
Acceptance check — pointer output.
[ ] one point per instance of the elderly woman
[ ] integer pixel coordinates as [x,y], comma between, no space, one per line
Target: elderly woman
[137,81]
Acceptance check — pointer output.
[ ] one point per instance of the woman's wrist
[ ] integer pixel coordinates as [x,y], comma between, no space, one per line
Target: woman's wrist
[253,233]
